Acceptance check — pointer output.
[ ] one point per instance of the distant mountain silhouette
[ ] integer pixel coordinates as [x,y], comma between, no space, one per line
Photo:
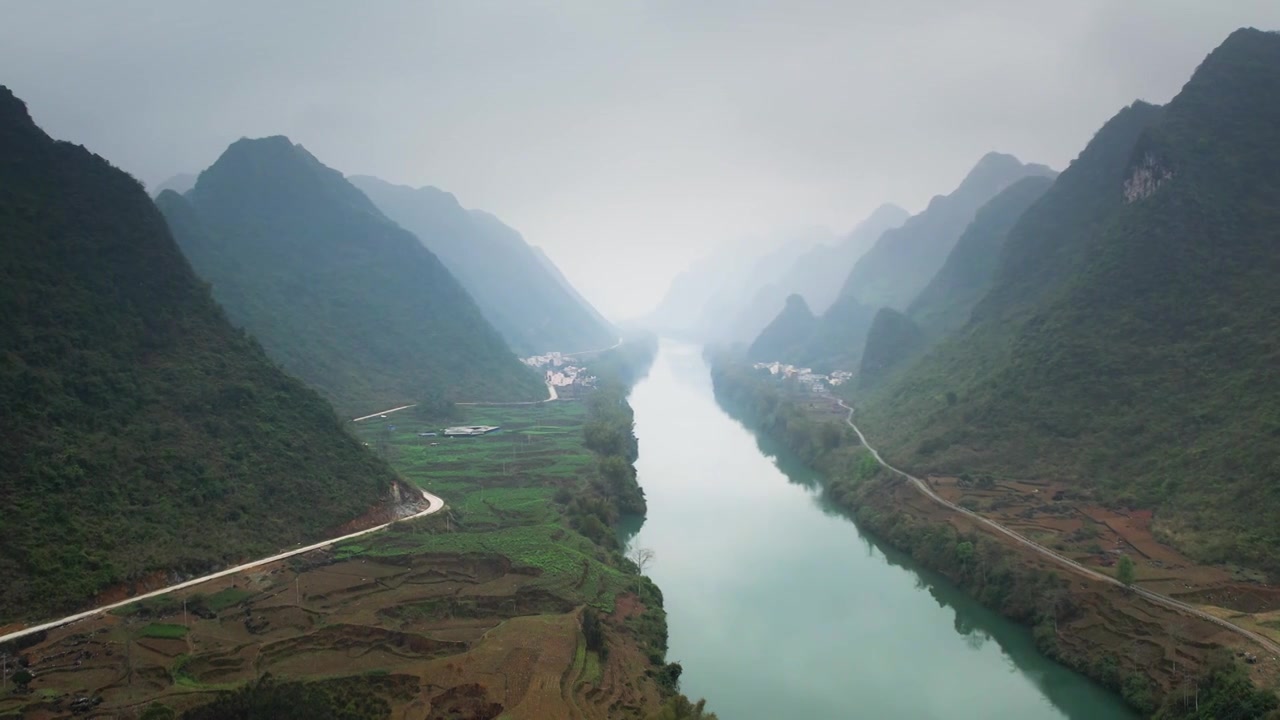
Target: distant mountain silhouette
[903,259]
[818,275]
[180,183]
[705,302]
[533,307]
[790,330]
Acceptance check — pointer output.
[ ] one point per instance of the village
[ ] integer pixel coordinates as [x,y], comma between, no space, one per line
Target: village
[815,382]
[568,379]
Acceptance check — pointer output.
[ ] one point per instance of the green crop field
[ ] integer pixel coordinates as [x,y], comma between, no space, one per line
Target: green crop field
[164,630]
[538,445]
[500,489]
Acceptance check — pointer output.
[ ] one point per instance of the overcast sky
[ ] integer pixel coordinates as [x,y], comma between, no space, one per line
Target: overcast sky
[625,138]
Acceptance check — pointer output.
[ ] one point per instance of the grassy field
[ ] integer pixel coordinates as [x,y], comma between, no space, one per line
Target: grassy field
[501,493]
[542,441]
[167,631]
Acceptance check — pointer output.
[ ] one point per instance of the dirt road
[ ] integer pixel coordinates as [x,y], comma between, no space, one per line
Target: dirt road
[1070,564]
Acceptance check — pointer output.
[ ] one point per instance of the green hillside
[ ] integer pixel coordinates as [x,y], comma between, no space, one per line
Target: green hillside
[339,295]
[901,263]
[896,339]
[139,431]
[508,280]
[945,303]
[893,340]
[817,275]
[1129,340]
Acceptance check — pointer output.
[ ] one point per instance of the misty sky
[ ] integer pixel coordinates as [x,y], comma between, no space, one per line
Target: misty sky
[625,138]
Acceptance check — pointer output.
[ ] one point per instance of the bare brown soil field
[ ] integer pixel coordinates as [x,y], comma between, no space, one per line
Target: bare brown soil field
[1095,535]
[443,635]
[1165,645]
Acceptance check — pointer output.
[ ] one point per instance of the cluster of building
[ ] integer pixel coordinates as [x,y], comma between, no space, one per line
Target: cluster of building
[817,382]
[551,359]
[469,430]
[560,372]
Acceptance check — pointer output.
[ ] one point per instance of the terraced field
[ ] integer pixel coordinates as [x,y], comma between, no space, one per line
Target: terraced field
[472,612]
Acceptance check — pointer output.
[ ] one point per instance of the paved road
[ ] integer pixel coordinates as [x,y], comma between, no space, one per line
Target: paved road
[551,396]
[434,504]
[588,352]
[384,412]
[1154,597]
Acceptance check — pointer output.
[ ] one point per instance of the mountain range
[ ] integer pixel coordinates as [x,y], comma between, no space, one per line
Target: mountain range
[899,265]
[338,294]
[516,286]
[1128,342]
[141,434]
[706,302]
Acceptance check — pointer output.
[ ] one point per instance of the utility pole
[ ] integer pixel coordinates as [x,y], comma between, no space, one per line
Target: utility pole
[184,613]
[297,590]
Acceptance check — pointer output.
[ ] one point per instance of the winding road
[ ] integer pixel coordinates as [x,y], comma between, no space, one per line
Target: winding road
[434,504]
[1070,564]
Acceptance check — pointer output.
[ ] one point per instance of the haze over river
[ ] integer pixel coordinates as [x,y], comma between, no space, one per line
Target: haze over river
[780,607]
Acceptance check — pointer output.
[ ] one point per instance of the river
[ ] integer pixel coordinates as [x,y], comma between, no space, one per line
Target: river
[779,607]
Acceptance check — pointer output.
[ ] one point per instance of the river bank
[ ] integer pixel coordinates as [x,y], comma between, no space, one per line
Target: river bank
[778,605]
[1150,655]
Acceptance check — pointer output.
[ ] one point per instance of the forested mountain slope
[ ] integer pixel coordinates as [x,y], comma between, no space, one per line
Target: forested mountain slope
[820,273]
[1129,339]
[139,431]
[904,259]
[945,303]
[338,294]
[901,262]
[896,339]
[507,279]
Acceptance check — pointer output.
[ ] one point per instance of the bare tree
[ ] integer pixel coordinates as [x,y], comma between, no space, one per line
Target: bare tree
[642,557]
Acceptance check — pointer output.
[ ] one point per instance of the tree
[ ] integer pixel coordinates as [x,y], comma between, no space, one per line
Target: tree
[642,557]
[681,708]
[1125,570]
[22,679]
[593,632]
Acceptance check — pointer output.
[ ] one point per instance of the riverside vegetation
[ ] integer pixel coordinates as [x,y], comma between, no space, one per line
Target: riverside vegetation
[524,556]
[995,573]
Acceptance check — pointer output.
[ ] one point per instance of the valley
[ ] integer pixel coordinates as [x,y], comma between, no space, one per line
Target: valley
[429,361]
[473,610]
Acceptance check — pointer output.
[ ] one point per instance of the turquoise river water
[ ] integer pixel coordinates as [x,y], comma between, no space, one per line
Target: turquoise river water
[780,607]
